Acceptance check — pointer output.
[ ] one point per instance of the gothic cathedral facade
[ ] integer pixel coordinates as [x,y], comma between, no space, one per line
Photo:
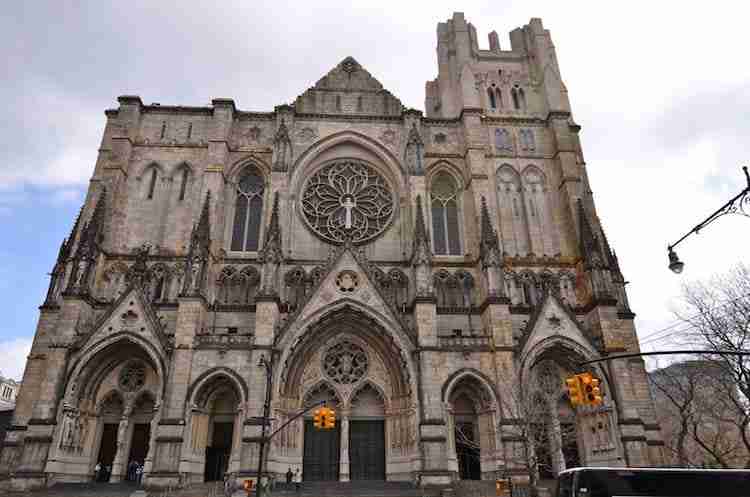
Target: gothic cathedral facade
[432,276]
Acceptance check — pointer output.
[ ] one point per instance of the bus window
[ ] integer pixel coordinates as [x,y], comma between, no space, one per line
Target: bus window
[565,485]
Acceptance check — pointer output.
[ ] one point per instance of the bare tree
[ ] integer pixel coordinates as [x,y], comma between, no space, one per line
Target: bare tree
[690,414]
[718,314]
[526,417]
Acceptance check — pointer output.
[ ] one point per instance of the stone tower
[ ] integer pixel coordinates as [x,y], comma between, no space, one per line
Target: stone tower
[429,275]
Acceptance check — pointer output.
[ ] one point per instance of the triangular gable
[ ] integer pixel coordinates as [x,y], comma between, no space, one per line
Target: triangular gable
[330,289]
[348,79]
[132,313]
[552,318]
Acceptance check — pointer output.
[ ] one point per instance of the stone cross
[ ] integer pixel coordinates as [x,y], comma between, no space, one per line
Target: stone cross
[348,204]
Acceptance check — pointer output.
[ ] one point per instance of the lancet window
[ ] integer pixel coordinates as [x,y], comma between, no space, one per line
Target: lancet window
[445,216]
[248,211]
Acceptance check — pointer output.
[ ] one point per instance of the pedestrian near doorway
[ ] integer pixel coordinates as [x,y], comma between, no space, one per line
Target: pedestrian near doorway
[97,471]
[297,480]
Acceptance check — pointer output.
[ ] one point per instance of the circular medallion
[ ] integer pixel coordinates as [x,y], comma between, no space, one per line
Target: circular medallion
[133,376]
[347,281]
[347,199]
[345,363]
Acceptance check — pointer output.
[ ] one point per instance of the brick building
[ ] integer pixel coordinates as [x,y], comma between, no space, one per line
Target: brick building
[404,266]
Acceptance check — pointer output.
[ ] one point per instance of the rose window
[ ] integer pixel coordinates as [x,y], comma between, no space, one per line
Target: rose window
[133,377]
[347,200]
[345,363]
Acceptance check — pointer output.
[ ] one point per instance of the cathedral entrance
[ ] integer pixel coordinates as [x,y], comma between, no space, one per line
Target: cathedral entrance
[321,457]
[107,450]
[367,449]
[467,452]
[217,454]
[367,435]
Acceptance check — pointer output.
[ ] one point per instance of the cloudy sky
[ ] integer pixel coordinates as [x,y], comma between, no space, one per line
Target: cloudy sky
[662,90]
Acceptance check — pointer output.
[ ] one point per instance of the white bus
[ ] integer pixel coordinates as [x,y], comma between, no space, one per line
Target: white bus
[653,482]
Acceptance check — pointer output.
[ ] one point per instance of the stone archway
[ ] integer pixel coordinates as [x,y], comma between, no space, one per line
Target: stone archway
[570,436]
[215,428]
[111,397]
[361,367]
[471,407]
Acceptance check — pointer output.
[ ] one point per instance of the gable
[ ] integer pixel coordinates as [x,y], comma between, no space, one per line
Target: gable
[348,88]
[349,279]
[550,320]
[131,313]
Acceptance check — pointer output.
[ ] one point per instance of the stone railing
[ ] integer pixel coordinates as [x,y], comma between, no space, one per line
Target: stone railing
[457,341]
[222,339]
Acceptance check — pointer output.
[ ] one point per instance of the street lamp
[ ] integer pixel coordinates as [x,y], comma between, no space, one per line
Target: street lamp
[268,366]
[739,204]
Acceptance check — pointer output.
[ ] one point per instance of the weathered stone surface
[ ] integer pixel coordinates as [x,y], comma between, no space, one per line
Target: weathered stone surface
[509,280]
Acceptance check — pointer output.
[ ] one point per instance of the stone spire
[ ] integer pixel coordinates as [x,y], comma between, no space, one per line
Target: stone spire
[489,241]
[595,260]
[271,255]
[422,253]
[489,251]
[588,242]
[413,153]
[89,238]
[198,253]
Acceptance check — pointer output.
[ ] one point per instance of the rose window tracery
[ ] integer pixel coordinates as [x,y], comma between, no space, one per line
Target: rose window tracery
[133,377]
[345,363]
[347,199]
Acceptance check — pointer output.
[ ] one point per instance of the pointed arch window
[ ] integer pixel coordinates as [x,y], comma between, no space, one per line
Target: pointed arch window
[183,183]
[151,184]
[445,215]
[248,211]
[491,95]
[499,94]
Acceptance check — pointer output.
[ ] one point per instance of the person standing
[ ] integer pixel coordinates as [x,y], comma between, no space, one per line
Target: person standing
[297,480]
[289,476]
[97,471]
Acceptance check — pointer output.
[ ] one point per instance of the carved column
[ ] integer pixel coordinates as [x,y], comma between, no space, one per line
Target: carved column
[555,436]
[149,462]
[344,457]
[120,462]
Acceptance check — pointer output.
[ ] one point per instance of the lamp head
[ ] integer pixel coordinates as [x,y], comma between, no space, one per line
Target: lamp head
[675,264]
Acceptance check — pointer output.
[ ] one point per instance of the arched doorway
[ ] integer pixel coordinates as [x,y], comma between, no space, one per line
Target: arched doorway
[473,434]
[110,414]
[321,459]
[214,426]
[140,421]
[362,367]
[109,402]
[367,435]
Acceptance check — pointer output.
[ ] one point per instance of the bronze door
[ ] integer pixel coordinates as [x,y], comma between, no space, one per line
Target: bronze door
[367,450]
[321,459]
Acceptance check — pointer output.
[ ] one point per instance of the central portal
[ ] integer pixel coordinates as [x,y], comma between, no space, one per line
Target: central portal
[367,449]
[321,460]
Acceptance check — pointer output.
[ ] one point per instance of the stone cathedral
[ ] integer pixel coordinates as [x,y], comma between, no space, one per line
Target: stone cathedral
[432,276]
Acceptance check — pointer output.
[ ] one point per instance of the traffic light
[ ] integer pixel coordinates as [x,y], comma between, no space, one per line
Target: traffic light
[575,392]
[591,392]
[318,418]
[329,422]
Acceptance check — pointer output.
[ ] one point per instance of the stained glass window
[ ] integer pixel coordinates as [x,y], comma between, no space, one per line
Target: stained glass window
[248,212]
[445,218]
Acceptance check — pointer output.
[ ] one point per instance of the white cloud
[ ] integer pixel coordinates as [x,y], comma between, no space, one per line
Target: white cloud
[13,354]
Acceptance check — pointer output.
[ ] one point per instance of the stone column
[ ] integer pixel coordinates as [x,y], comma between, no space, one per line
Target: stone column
[149,462]
[555,436]
[119,466]
[344,457]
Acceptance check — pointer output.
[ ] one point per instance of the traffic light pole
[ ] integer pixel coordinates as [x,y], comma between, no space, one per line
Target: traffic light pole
[667,352]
